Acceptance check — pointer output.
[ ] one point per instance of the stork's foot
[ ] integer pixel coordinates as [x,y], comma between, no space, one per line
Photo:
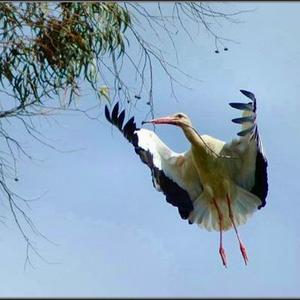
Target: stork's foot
[244,253]
[223,256]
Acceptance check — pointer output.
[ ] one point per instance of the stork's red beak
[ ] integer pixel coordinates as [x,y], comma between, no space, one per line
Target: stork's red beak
[163,120]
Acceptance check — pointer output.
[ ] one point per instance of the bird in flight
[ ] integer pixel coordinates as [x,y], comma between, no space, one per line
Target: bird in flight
[214,184]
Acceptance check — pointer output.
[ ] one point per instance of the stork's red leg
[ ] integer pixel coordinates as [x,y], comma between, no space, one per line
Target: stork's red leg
[242,247]
[221,249]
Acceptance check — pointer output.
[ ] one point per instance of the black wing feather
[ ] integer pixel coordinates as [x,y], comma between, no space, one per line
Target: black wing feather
[129,129]
[242,106]
[246,131]
[121,119]
[114,114]
[107,115]
[243,119]
[260,188]
[248,94]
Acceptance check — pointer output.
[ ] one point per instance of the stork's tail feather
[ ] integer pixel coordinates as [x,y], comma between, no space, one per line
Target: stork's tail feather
[243,205]
[248,121]
[117,119]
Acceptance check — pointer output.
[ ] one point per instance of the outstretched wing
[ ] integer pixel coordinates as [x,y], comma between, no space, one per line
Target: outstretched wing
[249,164]
[172,173]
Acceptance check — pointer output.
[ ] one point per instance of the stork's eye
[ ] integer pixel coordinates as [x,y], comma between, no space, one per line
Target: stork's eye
[179,115]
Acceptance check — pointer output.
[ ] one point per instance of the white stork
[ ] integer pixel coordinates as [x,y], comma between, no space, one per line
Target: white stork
[216,185]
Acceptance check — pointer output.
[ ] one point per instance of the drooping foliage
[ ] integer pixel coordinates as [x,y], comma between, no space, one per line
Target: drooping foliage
[47,47]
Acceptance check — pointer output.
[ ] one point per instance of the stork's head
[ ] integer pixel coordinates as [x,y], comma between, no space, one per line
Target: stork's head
[178,119]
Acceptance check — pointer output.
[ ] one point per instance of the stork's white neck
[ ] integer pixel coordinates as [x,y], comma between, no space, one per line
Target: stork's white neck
[193,137]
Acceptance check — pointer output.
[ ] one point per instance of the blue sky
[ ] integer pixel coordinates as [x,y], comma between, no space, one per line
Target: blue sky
[116,236]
